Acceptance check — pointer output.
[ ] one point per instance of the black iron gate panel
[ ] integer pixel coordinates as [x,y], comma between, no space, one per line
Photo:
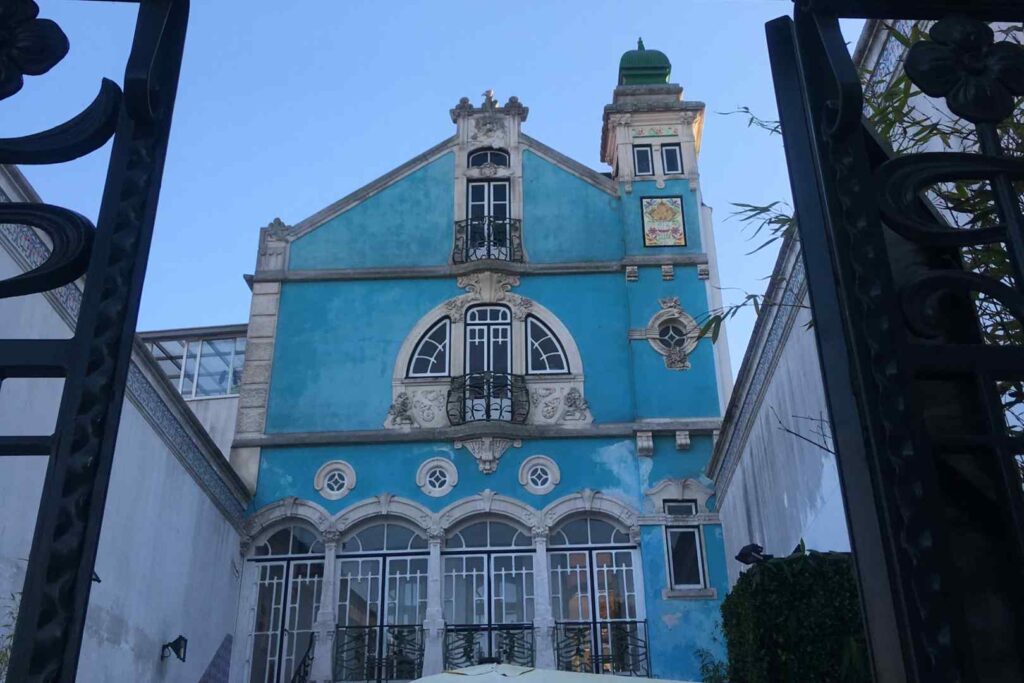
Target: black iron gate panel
[94,362]
[930,470]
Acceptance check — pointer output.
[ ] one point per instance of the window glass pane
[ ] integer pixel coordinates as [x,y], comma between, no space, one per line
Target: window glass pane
[680,507]
[431,356]
[576,532]
[189,380]
[501,535]
[237,364]
[279,543]
[672,159]
[685,551]
[302,540]
[475,535]
[499,158]
[642,156]
[499,192]
[600,532]
[168,354]
[545,352]
[398,537]
[215,367]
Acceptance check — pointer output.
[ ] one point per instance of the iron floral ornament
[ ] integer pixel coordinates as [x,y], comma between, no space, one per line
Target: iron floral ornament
[28,45]
[978,78]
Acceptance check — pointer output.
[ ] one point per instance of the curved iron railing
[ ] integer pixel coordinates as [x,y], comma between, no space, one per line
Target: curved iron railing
[302,668]
[466,645]
[378,653]
[614,647]
[488,397]
[486,237]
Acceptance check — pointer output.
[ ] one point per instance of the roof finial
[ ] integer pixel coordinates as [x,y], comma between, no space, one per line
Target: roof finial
[640,44]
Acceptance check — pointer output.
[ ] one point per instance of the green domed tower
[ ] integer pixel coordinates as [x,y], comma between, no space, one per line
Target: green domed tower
[644,67]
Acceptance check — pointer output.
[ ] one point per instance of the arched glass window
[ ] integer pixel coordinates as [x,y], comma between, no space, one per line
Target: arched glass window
[430,359]
[545,355]
[587,531]
[384,537]
[482,157]
[291,540]
[488,535]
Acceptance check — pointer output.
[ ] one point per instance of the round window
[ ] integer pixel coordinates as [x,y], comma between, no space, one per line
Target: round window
[437,478]
[671,335]
[539,476]
[335,481]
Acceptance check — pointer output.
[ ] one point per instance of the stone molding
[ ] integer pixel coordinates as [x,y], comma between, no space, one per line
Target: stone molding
[676,358]
[320,480]
[554,474]
[676,489]
[434,525]
[488,450]
[424,469]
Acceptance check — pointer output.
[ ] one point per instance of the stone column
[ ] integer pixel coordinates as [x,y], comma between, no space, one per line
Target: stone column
[322,670]
[433,625]
[543,622]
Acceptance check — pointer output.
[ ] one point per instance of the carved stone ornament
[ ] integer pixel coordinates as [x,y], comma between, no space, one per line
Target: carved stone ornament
[400,412]
[488,288]
[488,450]
[683,337]
[645,444]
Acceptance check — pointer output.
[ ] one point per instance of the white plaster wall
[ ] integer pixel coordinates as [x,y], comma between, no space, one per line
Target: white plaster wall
[785,489]
[167,557]
[217,415]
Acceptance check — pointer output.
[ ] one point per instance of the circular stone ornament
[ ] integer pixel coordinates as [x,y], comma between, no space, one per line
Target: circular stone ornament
[437,476]
[539,474]
[335,479]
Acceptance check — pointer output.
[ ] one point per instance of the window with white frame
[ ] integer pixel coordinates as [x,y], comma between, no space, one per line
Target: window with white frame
[643,160]
[484,157]
[545,355]
[685,559]
[430,359]
[201,368]
[685,507]
[671,159]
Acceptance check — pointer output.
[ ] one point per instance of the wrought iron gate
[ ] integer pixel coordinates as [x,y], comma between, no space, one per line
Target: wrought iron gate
[929,467]
[94,362]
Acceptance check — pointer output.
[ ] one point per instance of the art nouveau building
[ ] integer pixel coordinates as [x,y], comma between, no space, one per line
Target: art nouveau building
[474,410]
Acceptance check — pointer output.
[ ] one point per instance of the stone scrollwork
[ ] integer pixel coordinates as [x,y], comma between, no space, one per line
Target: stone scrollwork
[488,450]
[672,333]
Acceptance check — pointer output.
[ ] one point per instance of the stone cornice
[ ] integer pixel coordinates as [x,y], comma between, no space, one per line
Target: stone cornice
[449,271]
[698,425]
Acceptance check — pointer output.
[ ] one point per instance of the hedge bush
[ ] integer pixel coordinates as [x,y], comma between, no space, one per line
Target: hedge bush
[796,619]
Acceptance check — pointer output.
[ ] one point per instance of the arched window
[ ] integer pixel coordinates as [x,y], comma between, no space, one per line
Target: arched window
[383,537]
[482,157]
[588,531]
[488,535]
[545,355]
[430,359]
[291,540]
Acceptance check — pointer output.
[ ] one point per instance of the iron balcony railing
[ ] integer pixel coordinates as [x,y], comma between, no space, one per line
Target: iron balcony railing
[378,653]
[466,645]
[486,237]
[304,665]
[612,647]
[488,397]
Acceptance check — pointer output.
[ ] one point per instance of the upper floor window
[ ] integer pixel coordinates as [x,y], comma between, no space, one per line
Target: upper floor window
[482,157]
[201,368]
[291,540]
[680,507]
[643,161]
[545,354]
[430,359]
[685,557]
[671,159]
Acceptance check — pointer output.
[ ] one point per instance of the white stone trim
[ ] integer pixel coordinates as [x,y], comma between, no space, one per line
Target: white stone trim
[590,502]
[385,505]
[555,399]
[554,474]
[671,310]
[320,480]
[488,502]
[270,517]
[449,469]
[676,489]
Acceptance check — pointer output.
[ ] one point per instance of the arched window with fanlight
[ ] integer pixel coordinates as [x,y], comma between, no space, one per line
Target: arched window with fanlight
[545,354]
[595,598]
[431,357]
[289,580]
[382,602]
[487,594]
[488,157]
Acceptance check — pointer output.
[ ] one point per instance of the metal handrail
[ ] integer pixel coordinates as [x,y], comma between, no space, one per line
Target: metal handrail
[488,397]
[378,653]
[509,643]
[604,647]
[488,238]
[302,669]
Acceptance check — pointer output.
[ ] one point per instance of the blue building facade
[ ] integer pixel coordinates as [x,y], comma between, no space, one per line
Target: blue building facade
[475,411]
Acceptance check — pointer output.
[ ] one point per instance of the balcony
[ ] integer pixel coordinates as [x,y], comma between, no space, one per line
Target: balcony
[488,397]
[378,653]
[613,647]
[468,645]
[488,238]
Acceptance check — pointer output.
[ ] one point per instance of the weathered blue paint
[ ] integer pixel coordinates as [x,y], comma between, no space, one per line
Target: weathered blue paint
[682,625]
[408,223]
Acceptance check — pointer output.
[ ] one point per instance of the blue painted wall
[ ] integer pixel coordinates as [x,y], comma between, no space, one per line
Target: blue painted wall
[633,220]
[408,223]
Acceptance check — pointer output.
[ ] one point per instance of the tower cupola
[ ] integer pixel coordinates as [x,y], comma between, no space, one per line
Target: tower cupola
[644,67]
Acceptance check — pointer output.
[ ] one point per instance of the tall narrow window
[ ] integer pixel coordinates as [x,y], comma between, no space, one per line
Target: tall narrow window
[430,359]
[545,355]
[643,163]
[685,557]
[671,159]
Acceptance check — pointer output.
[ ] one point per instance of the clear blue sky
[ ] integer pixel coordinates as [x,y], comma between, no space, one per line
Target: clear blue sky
[284,107]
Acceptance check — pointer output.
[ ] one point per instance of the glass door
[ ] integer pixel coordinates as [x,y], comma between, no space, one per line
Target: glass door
[358,639]
[287,601]
[488,362]
[488,228]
